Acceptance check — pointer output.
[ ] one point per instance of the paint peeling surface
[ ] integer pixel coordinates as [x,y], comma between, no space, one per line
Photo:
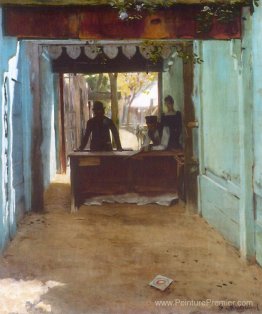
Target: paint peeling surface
[257,125]
[219,126]
[220,111]
[103,23]
[257,59]
[21,296]
[48,148]
[8,75]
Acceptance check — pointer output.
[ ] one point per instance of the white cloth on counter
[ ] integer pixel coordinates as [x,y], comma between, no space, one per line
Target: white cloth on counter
[163,141]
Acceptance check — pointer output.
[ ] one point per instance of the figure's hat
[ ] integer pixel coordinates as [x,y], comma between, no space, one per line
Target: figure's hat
[98,105]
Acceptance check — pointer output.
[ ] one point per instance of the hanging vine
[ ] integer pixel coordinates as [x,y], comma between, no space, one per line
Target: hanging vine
[133,9]
[155,51]
[223,13]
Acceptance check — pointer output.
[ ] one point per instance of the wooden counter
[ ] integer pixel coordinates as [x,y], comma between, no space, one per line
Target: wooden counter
[107,173]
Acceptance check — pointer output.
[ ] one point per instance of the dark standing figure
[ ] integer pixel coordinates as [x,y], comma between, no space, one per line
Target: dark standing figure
[99,128]
[173,120]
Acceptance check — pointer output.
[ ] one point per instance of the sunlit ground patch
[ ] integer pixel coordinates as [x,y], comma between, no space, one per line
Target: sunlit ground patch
[20,296]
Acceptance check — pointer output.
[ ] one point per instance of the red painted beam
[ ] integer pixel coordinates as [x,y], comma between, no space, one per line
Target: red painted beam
[178,22]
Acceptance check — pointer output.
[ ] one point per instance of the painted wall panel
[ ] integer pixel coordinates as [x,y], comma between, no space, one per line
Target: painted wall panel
[48,148]
[27,105]
[259,241]
[173,83]
[220,209]
[220,110]
[17,147]
[8,70]
[257,70]
[216,100]
[257,126]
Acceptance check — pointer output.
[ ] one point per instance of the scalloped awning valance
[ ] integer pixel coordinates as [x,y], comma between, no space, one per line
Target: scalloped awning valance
[110,51]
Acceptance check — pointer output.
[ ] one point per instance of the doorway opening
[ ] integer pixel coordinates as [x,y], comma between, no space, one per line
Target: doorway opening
[136,96]
[131,85]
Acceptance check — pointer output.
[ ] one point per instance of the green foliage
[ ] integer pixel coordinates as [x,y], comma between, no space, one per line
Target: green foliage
[98,82]
[224,14]
[253,4]
[133,83]
[155,50]
[188,56]
[133,9]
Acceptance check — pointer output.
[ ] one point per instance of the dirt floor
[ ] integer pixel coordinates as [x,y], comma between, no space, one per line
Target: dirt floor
[101,259]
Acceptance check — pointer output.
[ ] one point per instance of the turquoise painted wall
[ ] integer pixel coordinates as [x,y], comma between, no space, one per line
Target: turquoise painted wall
[257,61]
[8,48]
[227,97]
[48,104]
[173,83]
[27,107]
[11,177]
[257,125]
[220,110]
[16,111]
[216,98]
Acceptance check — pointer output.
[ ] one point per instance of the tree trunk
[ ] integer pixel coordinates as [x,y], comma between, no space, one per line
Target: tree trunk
[114,100]
[132,97]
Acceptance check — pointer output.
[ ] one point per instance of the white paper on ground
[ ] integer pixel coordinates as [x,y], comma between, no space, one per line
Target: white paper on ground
[133,198]
[160,282]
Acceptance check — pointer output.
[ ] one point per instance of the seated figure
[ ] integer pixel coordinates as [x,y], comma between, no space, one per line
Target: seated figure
[156,137]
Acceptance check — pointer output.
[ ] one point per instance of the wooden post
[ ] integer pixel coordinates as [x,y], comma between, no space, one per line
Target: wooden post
[247,219]
[62,150]
[191,166]
[73,180]
[160,94]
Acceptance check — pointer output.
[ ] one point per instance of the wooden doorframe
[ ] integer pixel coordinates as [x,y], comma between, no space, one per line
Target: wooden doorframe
[191,161]
[62,150]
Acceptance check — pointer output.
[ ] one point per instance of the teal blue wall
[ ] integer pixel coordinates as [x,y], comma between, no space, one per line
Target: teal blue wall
[227,98]
[27,98]
[216,99]
[19,67]
[48,105]
[257,125]
[8,48]
[220,111]
[221,209]
[173,83]
[13,199]
[19,100]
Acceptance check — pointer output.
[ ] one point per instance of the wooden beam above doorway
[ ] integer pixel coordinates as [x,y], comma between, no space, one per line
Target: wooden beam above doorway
[102,22]
[105,2]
